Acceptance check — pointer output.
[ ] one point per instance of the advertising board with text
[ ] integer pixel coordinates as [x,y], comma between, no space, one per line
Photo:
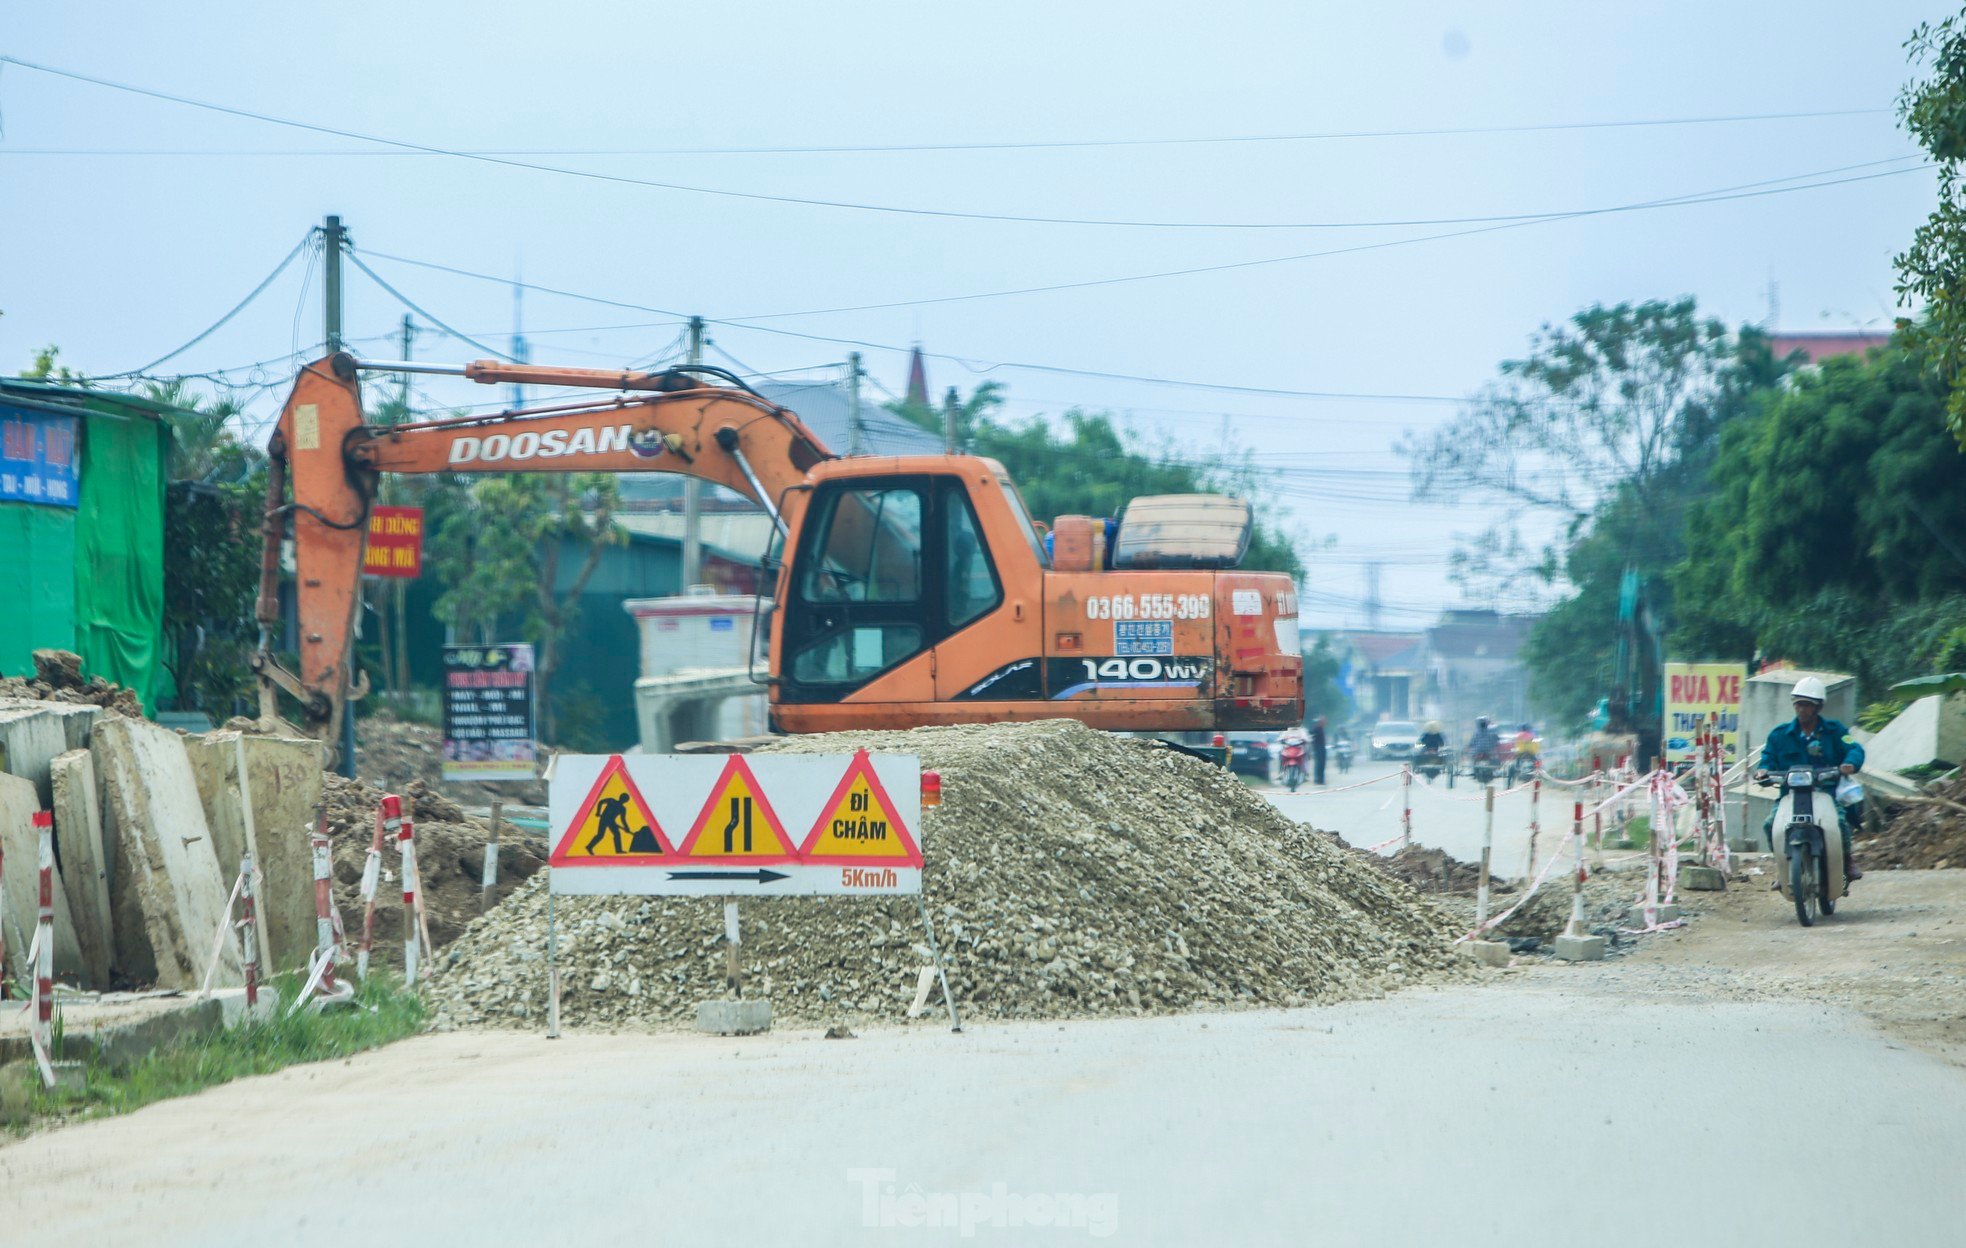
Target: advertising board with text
[1694,692]
[488,713]
[395,545]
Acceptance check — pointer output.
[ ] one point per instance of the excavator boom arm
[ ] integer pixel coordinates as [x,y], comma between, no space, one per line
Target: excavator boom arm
[333,458]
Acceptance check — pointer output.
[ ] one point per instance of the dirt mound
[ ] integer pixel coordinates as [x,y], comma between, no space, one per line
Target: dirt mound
[450,848]
[1069,872]
[58,678]
[1435,871]
[1928,832]
[392,753]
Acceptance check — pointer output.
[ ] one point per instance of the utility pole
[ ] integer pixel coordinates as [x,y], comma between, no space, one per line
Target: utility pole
[521,353]
[949,405]
[333,238]
[1372,603]
[855,443]
[693,487]
[400,591]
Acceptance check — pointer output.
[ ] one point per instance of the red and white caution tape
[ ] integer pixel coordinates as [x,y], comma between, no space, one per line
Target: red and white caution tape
[1529,892]
[1346,788]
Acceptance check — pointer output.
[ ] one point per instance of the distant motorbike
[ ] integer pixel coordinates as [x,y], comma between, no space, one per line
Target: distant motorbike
[1484,767]
[1292,757]
[1430,762]
[1807,840]
[1342,753]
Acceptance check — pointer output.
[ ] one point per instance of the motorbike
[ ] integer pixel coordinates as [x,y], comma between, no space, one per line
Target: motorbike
[1342,753]
[1292,757]
[1522,763]
[1807,840]
[1431,762]
[1484,767]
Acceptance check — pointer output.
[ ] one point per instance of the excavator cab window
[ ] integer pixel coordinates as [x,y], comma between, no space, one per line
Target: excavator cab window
[885,569]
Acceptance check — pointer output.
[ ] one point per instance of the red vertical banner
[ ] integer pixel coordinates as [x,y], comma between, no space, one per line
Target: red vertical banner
[395,547]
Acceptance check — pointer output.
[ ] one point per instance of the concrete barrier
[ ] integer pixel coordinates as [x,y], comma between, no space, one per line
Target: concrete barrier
[22,845]
[30,738]
[283,781]
[1930,730]
[84,862]
[166,888]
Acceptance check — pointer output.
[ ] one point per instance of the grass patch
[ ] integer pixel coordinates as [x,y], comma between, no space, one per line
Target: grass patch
[1638,833]
[385,1011]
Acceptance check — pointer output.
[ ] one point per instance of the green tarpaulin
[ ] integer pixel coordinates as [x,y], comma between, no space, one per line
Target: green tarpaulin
[37,583]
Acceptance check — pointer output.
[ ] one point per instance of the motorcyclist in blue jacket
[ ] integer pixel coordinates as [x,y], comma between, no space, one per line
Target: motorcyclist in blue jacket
[1809,740]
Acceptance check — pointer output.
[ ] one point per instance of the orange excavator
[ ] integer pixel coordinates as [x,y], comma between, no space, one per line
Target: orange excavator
[908,590]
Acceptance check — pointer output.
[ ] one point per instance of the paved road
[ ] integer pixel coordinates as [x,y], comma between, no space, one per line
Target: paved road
[1444,818]
[1516,1112]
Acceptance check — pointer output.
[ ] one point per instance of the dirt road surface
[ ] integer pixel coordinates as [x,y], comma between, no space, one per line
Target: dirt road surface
[1517,1110]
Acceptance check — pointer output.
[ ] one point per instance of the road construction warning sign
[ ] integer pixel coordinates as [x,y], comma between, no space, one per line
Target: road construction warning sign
[614,825]
[737,823]
[859,824]
[757,825]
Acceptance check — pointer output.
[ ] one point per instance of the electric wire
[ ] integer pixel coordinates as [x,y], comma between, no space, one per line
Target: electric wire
[727,193]
[221,322]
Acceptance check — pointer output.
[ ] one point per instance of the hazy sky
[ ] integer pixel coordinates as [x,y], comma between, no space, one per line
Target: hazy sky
[119,258]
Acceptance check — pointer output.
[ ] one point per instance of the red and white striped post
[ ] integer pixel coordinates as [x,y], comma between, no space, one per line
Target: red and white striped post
[1405,805]
[1597,811]
[1535,822]
[324,941]
[388,817]
[406,841]
[249,935]
[1487,849]
[1576,925]
[44,936]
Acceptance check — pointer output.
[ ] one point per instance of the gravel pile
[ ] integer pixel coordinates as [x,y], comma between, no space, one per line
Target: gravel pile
[1431,870]
[58,678]
[1070,873]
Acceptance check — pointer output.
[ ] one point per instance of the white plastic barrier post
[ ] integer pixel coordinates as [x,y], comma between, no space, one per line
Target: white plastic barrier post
[388,819]
[1652,859]
[249,933]
[1405,805]
[324,941]
[490,881]
[1487,848]
[406,840]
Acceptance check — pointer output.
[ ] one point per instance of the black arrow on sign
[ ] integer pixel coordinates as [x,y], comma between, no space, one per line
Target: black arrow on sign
[761,875]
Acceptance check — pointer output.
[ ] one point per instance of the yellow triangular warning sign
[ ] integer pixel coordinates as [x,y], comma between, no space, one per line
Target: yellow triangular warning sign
[614,827]
[738,824]
[859,823]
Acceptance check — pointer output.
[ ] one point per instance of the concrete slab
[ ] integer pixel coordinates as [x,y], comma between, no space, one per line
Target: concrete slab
[166,886]
[22,846]
[84,863]
[1489,952]
[283,782]
[76,718]
[1702,879]
[1930,730]
[1636,915]
[1580,948]
[30,738]
[733,1018]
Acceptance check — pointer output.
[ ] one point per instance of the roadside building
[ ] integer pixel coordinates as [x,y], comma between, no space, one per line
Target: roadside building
[1475,668]
[1382,671]
[82,480]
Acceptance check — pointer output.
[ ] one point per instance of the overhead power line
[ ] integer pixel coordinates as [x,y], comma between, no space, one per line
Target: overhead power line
[220,323]
[727,193]
[995,145]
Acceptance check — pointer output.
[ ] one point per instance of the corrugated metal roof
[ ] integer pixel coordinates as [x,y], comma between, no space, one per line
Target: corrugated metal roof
[70,395]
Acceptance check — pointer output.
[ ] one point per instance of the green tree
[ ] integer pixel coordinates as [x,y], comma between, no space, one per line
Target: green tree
[1836,534]
[498,546]
[1933,269]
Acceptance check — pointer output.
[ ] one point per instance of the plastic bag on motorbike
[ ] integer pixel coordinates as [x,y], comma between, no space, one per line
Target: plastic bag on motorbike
[1849,792]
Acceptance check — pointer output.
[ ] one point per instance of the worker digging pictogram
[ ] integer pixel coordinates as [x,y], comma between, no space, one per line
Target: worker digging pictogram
[614,826]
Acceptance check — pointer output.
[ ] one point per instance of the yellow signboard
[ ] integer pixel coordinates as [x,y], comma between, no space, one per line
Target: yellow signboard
[1697,693]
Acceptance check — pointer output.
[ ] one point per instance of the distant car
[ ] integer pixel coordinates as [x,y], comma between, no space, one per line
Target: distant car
[1250,754]
[1395,738]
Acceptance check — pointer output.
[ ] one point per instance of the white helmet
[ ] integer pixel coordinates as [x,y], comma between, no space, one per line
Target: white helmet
[1810,687]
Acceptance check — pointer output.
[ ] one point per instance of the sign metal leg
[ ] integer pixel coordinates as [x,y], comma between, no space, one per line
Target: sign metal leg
[941,971]
[552,966]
